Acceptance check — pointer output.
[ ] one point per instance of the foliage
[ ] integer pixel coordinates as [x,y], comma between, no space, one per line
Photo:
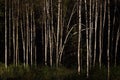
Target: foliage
[47,73]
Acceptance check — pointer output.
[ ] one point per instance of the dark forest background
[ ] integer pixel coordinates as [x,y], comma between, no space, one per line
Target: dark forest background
[37,20]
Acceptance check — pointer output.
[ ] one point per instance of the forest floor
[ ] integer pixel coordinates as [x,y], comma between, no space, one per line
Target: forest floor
[47,73]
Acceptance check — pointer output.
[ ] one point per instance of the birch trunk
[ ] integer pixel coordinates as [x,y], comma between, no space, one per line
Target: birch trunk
[87,42]
[34,39]
[116,45]
[104,15]
[23,42]
[61,31]
[9,30]
[13,33]
[95,41]
[58,32]
[17,25]
[31,37]
[27,34]
[100,35]
[79,34]
[51,34]
[90,33]
[108,46]
[6,34]
[45,25]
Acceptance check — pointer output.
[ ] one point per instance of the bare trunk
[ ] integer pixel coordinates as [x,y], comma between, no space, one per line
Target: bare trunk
[116,45]
[95,41]
[6,34]
[9,30]
[23,42]
[79,34]
[51,34]
[45,25]
[13,33]
[87,39]
[58,32]
[34,39]
[27,33]
[108,46]
[104,16]
[31,37]
[17,25]
[90,33]
[61,31]
[100,35]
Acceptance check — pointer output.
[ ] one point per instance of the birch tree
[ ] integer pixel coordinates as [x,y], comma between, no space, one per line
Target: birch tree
[17,25]
[51,32]
[95,40]
[27,33]
[58,32]
[108,45]
[6,34]
[31,34]
[90,32]
[116,45]
[87,42]
[79,34]
[100,34]
[34,39]
[10,29]
[45,28]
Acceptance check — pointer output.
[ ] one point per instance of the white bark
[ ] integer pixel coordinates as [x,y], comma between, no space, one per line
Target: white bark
[90,33]
[79,34]
[31,37]
[6,34]
[87,42]
[27,33]
[34,38]
[10,29]
[13,29]
[95,41]
[45,25]
[116,45]
[58,32]
[100,35]
[108,46]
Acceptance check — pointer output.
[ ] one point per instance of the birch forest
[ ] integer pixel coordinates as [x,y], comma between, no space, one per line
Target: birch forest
[60,40]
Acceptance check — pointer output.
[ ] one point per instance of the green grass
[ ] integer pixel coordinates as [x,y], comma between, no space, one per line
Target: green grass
[47,73]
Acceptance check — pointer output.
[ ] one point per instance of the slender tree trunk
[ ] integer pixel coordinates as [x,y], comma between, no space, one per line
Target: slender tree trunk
[34,39]
[108,46]
[27,33]
[79,34]
[116,45]
[51,34]
[90,33]
[6,34]
[95,41]
[100,34]
[87,39]
[13,31]
[117,37]
[61,31]
[104,15]
[23,42]
[45,24]
[92,26]
[31,37]
[17,25]
[58,32]
[10,29]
